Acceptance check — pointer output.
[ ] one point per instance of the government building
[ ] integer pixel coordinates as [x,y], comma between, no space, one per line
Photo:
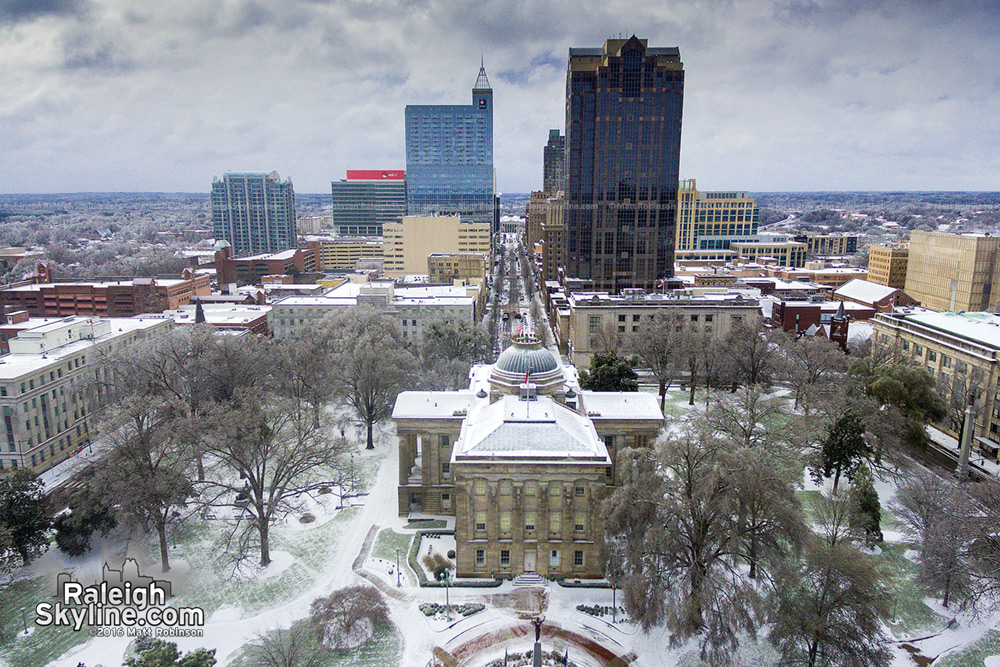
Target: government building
[522,459]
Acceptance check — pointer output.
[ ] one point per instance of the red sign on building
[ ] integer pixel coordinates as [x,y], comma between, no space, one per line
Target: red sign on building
[375,174]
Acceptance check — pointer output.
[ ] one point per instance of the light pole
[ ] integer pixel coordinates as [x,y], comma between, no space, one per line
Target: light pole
[24,620]
[447,598]
[397,567]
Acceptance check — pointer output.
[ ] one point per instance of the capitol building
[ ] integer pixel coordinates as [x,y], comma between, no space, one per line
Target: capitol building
[522,459]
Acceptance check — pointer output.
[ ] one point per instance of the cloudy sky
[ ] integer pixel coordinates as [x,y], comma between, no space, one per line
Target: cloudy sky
[160,95]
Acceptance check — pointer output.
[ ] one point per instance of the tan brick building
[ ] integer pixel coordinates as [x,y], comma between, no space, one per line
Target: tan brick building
[887,265]
[522,467]
[408,243]
[952,272]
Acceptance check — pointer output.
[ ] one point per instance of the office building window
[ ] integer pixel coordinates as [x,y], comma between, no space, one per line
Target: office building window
[505,521]
[554,558]
[579,521]
[555,522]
[480,520]
[529,522]
[480,557]
[578,558]
[505,558]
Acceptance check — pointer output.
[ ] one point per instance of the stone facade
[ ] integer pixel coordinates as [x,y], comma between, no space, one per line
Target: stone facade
[522,459]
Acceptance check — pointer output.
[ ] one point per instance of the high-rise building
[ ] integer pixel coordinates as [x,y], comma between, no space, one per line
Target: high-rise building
[887,265]
[554,163]
[367,199]
[623,137]
[709,222]
[254,212]
[449,158]
[952,272]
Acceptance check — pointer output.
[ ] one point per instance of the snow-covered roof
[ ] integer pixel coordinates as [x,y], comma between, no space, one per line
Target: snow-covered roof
[539,429]
[433,404]
[980,327]
[864,291]
[621,405]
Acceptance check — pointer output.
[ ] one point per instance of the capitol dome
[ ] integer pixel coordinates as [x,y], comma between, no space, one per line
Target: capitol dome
[526,356]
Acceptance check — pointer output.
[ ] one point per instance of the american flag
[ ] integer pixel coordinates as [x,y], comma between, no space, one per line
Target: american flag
[520,329]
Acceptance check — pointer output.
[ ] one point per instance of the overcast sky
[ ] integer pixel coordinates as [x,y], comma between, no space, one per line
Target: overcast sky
[160,95]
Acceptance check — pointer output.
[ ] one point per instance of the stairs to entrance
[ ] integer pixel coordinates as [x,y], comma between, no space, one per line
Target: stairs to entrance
[529,579]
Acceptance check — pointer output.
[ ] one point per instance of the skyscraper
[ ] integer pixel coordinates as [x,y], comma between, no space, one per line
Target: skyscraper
[555,161]
[623,137]
[368,199]
[709,222]
[254,212]
[449,157]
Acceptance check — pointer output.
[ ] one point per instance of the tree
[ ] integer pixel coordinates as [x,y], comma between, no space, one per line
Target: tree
[89,511]
[287,647]
[673,534]
[844,450]
[150,466]
[749,353]
[347,618]
[809,364]
[370,363]
[267,453]
[828,610]
[746,416]
[656,344]
[25,515]
[449,348]
[948,523]
[609,372]
[866,512]
[907,388]
[769,517]
[165,654]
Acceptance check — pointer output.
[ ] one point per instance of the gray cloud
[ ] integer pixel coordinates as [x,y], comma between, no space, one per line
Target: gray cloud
[16,11]
[789,94]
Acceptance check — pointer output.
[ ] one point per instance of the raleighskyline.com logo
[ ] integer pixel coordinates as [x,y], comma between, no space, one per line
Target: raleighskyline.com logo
[123,603]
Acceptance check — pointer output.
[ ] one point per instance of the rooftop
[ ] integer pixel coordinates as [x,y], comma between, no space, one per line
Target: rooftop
[541,428]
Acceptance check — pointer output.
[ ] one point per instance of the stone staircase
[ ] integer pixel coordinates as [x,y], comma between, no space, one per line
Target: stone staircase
[530,579]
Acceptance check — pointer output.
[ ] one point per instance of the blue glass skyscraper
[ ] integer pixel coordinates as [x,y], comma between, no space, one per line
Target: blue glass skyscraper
[449,157]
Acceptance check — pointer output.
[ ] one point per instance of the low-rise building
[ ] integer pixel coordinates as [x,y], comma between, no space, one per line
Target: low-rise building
[342,253]
[522,459]
[229,317]
[878,297]
[300,263]
[44,385]
[126,297]
[778,253]
[599,319]
[411,307]
[961,350]
[446,268]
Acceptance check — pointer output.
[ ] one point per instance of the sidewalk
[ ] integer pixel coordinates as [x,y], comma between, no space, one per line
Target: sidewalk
[950,444]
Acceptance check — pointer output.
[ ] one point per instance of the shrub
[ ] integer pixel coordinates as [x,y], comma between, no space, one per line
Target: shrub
[346,618]
[307,518]
[451,553]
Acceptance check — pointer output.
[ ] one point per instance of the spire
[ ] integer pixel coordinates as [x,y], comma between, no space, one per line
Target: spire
[841,313]
[199,313]
[482,83]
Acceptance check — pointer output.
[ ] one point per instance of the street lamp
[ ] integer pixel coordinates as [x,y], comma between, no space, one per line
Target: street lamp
[24,620]
[447,599]
[397,567]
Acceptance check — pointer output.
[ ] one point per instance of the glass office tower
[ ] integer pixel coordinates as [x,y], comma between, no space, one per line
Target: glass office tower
[449,157]
[554,163]
[623,137]
[255,212]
